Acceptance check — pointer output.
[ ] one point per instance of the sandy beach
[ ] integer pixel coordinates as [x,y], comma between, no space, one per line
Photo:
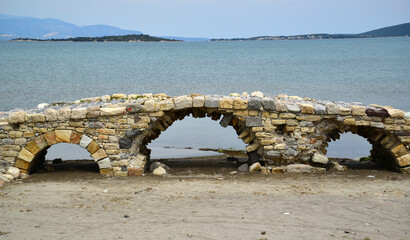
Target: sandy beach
[207,202]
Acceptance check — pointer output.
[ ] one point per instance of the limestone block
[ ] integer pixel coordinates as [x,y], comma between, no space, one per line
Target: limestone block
[15,134]
[255,167]
[211,102]
[13,171]
[21,164]
[279,146]
[358,110]
[404,160]
[391,127]
[7,141]
[134,108]
[35,117]
[9,153]
[268,104]
[377,125]
[64,114]
[306,109]
[98,155]
[112,111]
[135,171]
[28,134]
[306,124]
[50,138]
[287,115]
[198,101]
[345,111]
[225,103]
[239,103]
[273,154]
[41,142]
[33,147]
[377,112]
[20,141]
[396,113]
[132,133]
[17,117]
[399,150]
[159,171]
[85,141]
[349,121]
[26,155]
[292,122]
[92,147]
[320,109]
[332,108]
[281,107]
[63,136]
[253,121]
[75,137]
[149,106]
[299,168]
[253,147]
[125,143]
[119,96]
[257,94]
[319,158]
[104,163]
[407,115]
[166,105]
[293,108]
[183,102]
[113,139]
[51,115]
[278,121]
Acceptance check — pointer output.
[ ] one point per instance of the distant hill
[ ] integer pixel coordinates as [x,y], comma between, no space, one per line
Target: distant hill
[187,39]
[402,30]
[121,38]
[27,27]
[392,31]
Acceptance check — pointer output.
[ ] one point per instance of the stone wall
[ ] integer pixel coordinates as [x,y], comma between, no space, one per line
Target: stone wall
[278,130]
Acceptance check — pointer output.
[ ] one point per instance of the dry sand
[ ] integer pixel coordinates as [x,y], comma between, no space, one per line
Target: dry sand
[207,204]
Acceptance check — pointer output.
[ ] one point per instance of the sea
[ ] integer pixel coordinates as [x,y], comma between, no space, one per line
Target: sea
[373,70]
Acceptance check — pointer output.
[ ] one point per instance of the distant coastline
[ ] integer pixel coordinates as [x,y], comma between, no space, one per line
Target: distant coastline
[121,38]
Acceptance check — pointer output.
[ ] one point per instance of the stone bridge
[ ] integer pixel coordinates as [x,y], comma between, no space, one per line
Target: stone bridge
[278,130]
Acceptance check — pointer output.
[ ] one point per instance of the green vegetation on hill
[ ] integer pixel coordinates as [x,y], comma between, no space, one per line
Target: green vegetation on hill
[393,31]
[122,38]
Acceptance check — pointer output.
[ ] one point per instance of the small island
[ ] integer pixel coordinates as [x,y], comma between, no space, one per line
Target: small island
[122,38]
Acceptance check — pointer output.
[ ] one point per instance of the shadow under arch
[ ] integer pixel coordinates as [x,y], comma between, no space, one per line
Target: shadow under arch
[386,150]
[33,154]
[160,124]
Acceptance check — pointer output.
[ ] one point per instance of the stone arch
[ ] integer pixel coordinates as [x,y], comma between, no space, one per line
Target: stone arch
[35,150]
[387,148]
[161,123]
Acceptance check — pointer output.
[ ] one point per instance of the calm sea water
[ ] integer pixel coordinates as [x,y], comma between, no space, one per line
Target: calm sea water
[360,70]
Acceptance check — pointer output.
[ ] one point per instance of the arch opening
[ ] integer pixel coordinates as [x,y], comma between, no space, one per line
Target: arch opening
[195,144]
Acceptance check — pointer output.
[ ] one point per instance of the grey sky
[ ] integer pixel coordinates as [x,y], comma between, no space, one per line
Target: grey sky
[221,18]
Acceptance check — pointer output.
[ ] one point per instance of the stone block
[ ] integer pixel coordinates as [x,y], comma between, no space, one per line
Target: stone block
[125,142]
[281,107]
[293,108]
[135,171]
[28,134]
[132,133]
[332,108]
[253,147]
[134,108]
[320,109]
[396,113]
[404,161]
[240,104]
[26,155]
[50,138]
[255,104]
[211,102]
[41,142]
[371,112]
[15,134]
[399,150]
[358,110]
[17,117]
[377,125]
[149,106]
[225,103]
[20,141]
[63,136]
[349,121]
[33,147]
[96,125]
[278,121]
[51,115]
[183,102]
[7,141]
[9,153]
[119,96]
[106,131]
[299,168]
[85,141]
[98,155]
[273,154]
[306,124]
[75,137]
[255,167]
[112,111]
[345,111]
[227,118]
[64,114]
[292,122]
[198,101]
[268,104]
[253,121]
[21,164]
[306,109]
[287,115]
[104,163]
[78,113]
[257,94]
[92,147]
[166,105]
[319,158]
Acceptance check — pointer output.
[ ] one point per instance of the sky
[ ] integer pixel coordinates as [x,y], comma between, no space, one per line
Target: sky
[220,18]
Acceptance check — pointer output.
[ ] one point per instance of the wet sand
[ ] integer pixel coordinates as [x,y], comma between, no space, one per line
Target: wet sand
[207,201]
